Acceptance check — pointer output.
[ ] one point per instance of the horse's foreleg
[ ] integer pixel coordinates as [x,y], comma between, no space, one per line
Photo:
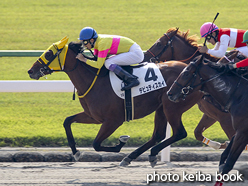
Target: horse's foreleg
[105,131]
[78,118]
[238,143]
[179,133]
[158,135]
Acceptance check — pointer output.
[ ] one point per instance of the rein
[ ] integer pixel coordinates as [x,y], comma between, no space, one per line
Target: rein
[93,82]
[155,58]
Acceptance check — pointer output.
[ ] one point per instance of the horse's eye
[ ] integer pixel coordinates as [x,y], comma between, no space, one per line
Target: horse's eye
[49,55]
[186,74]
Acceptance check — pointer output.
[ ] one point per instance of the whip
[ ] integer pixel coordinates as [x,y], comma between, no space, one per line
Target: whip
[211,27]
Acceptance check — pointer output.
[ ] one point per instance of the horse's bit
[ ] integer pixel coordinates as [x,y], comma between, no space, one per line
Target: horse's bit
[185,90]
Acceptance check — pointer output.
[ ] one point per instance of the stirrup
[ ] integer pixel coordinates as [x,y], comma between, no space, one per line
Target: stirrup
[131,85]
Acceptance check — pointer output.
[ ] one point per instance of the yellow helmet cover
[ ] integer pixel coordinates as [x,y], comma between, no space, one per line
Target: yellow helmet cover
[55,47]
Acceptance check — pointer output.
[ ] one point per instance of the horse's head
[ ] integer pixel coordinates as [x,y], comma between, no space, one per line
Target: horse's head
[228,57]
[160,46]
[173,45]
[53,59]
[187,81]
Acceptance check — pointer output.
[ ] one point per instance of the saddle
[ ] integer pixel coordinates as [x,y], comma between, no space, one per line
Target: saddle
[150,79]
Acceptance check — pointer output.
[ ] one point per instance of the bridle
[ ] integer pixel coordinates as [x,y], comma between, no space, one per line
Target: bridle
[155,58]
[47,70]
[190,85]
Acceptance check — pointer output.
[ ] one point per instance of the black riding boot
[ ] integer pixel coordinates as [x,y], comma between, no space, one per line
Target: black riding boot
[129,79]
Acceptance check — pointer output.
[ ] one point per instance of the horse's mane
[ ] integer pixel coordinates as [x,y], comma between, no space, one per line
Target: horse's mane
[76,47]
[191,41]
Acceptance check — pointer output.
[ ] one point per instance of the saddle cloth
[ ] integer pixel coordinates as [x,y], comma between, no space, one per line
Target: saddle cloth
[149,76]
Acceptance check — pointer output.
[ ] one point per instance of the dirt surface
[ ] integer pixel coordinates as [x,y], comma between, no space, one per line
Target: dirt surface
[109,173]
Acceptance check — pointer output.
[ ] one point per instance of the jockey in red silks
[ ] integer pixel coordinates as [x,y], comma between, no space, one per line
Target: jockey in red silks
[222,38]
[243,63]
[124,50]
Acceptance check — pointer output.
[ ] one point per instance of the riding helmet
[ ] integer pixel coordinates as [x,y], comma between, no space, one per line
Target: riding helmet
[245,37]
[87,33]
[207,28]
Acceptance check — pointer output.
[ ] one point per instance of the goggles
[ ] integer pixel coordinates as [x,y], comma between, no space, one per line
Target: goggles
[85,42]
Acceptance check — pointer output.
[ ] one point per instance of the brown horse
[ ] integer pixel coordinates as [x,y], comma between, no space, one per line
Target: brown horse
[228,89]
[176,45]
[110,111]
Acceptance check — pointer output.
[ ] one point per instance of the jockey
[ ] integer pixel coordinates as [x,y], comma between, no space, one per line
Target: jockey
[243,63]
[125,51]
[223,38]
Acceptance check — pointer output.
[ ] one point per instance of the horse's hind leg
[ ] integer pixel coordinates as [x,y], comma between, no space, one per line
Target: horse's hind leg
[78,118]
[205,123]
[225,153]
[158,135]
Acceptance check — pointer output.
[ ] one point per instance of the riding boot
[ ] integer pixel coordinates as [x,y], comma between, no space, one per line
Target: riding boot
[129,79]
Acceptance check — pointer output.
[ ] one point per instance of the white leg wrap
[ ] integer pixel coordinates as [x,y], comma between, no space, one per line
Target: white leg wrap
[213,144]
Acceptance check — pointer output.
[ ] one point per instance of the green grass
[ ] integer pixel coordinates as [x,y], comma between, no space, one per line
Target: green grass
[36,119]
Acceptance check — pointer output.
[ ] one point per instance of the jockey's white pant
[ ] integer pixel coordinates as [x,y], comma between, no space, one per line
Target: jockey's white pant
[133,56]
[244,50]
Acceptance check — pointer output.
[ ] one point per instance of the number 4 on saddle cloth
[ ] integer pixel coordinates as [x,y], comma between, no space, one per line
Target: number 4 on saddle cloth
[150,79]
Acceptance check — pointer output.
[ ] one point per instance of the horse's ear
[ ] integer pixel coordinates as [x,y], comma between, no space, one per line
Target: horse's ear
[62,42]
[228,57]
[199,59]
[231,55]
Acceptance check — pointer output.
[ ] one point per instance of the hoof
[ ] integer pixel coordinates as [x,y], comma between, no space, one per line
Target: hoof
[153,160]
[125,162]
[124,138]
[77,155]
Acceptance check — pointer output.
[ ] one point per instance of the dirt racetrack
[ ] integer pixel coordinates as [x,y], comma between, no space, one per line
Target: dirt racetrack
[109,173]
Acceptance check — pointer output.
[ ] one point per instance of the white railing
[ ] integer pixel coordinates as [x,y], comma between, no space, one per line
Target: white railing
[36,86]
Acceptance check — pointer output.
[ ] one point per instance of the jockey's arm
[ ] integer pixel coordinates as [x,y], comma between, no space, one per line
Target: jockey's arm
[223,46]
[102,52]
[243,63]
[96,64]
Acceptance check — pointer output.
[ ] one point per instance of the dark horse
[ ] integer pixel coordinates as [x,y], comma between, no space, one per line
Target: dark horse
[110,111]
[176,45]
[228,88]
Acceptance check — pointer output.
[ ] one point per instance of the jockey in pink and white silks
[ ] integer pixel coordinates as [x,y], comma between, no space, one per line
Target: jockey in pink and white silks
[125,51]
[222,38]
